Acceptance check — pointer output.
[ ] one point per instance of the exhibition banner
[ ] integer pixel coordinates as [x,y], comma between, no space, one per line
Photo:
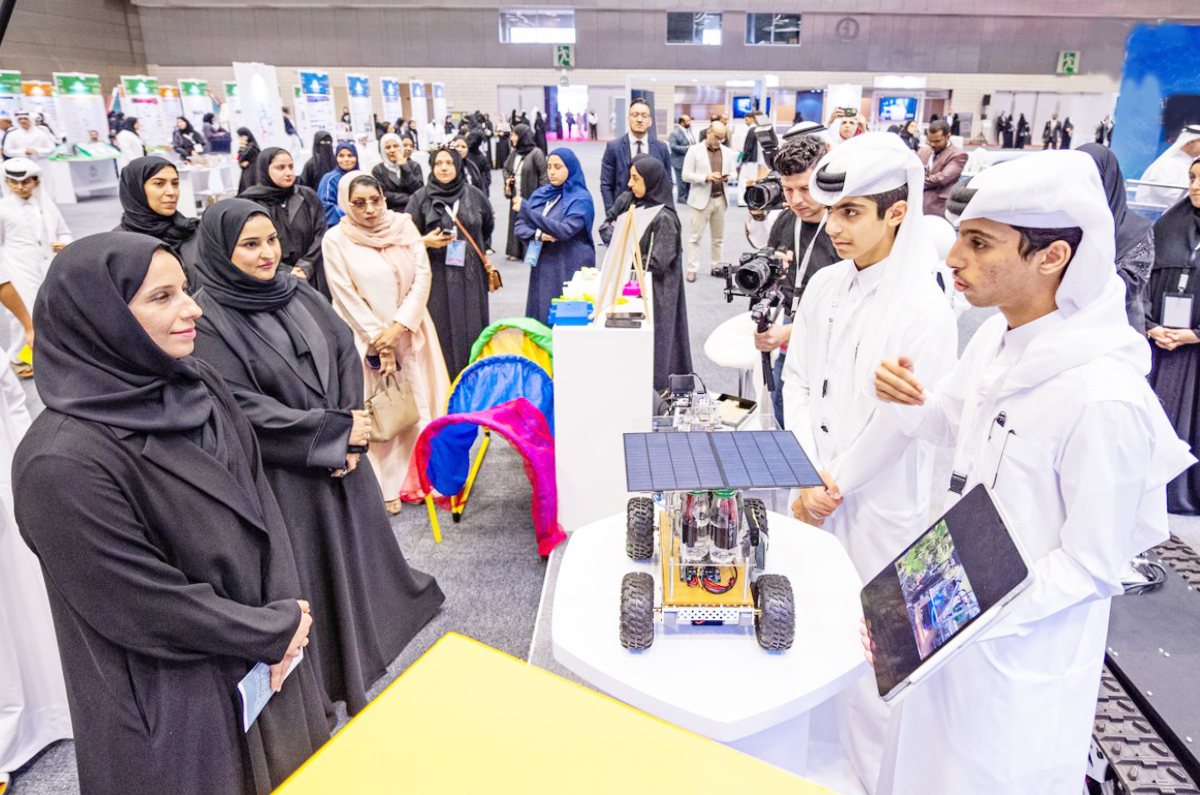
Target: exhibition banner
[392,108]
[418,108]
[37,96]
[232,112]
[11,93]
[80,105]
[171,104]
[317,97]
[361,119]
[300,117]
[262,110]
[140,98]
[439,103]
[193,95]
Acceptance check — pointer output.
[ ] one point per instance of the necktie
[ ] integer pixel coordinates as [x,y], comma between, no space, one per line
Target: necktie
[639,148]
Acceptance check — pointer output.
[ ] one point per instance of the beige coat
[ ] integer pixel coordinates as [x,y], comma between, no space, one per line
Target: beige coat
[369,294]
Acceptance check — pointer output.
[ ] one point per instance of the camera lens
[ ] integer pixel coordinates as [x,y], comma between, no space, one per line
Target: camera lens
[752,275]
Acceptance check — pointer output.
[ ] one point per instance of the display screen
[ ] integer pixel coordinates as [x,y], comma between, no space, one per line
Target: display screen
[743,105]
[897,108]
[960,568]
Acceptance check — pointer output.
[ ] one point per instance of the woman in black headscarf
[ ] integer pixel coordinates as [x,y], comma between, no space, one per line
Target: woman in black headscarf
[292,365]
[321,162]
[246,157]
[1175,344]
[477,154]
[1135,236]
[168,565]
[524,172]
[185,140]
[458,299]
[539,131]
[662,255]
[149,193]
[296,212]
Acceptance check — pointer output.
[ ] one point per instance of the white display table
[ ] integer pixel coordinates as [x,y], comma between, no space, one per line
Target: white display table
[717,681]
[71,179]
[197,181]
[603,388]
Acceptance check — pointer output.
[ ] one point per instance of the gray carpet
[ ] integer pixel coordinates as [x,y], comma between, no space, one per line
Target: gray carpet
[488,564]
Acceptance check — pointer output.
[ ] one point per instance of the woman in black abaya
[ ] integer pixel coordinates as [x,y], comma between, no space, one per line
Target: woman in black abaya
[524,172]
[168,565]
[296,212]
[247,156]
[292,365]
[1175,374]
[321,162]
[1135,236]
[149,194]
[458,299]
[662,255]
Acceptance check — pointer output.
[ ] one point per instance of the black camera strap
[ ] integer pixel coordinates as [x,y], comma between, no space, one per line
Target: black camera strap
[795,307]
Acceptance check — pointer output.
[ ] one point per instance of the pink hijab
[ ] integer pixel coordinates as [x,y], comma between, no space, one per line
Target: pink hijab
[393,229]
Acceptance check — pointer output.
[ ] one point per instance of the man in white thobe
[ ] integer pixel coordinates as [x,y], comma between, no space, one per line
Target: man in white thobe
[32,231]
[1171,168]
[33,698]
[1049,408]
[881,297]
[26,140]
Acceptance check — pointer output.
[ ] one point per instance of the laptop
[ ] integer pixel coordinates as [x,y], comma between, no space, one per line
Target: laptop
[949,585]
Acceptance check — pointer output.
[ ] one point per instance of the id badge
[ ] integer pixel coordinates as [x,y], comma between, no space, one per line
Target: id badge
[456,253]
[532,252]
[1177,310]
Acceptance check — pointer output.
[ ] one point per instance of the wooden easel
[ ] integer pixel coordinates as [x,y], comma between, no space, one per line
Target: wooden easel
[613,279]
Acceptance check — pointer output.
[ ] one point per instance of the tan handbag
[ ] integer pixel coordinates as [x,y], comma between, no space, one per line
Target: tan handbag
[493,275]
[392,408]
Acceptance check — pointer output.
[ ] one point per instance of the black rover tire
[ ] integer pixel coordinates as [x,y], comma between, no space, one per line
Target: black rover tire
[756,518]
[637,611]
[775,624]
[639,528]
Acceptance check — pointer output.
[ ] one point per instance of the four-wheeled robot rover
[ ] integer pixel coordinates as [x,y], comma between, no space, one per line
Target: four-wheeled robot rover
[712,548]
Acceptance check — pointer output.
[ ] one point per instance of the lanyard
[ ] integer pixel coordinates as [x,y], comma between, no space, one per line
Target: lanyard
[546,211]
[832,353]
[800,284]
[964,457]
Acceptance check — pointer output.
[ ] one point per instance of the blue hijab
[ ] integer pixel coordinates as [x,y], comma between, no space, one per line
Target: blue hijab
[573,195]
[327,191]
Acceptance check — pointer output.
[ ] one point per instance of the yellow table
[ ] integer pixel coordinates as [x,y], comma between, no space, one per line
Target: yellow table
[466,718]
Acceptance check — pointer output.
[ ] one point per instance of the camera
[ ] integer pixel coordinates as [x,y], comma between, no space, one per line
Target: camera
[757,276]
[766,194]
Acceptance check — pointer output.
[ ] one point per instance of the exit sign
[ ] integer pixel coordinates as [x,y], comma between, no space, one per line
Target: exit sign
[564,56]
[1068,63]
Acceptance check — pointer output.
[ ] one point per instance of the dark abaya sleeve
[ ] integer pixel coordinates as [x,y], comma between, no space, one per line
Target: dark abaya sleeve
[485,209]
[102,560]
[311,261]
[288,437]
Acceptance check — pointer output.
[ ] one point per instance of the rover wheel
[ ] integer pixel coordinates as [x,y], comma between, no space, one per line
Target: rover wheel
[756,518]
[639,529]
[775,624]
[637,611]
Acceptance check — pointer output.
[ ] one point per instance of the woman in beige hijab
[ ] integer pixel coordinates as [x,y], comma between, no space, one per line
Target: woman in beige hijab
[379,277]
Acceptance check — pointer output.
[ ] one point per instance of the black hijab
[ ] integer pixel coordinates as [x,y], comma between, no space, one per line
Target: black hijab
[447,192]
[525,140]
[128,122]
[322,149]
[658,183]
[1131,227]
[173,230]
[1177,233]
[220,278]
[250,139]
[266,190]
[188,129]
[93,358]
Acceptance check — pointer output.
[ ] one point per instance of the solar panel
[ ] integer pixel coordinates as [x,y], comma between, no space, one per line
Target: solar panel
[700,460]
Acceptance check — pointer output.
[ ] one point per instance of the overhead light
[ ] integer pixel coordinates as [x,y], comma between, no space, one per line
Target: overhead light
[900,81]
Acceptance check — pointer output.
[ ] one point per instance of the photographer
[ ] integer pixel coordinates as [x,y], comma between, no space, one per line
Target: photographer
[793,233]
[708,167]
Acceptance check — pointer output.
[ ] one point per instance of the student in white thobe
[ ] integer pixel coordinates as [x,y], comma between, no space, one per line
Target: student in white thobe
[1171,168]
[882,298]
[1050,409]
[32,230]
[26,140]
[33,698]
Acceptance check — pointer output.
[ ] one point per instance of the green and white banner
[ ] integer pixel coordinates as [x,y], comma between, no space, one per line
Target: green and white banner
[80,104]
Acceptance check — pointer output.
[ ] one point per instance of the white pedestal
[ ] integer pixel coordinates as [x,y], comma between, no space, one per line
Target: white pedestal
[717,681]
[603,388]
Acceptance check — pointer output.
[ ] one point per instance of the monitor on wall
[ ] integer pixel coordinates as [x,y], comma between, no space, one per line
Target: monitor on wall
[743,105]
[896,109]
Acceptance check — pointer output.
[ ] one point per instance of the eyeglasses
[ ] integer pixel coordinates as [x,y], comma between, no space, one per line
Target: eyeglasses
[360,204]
